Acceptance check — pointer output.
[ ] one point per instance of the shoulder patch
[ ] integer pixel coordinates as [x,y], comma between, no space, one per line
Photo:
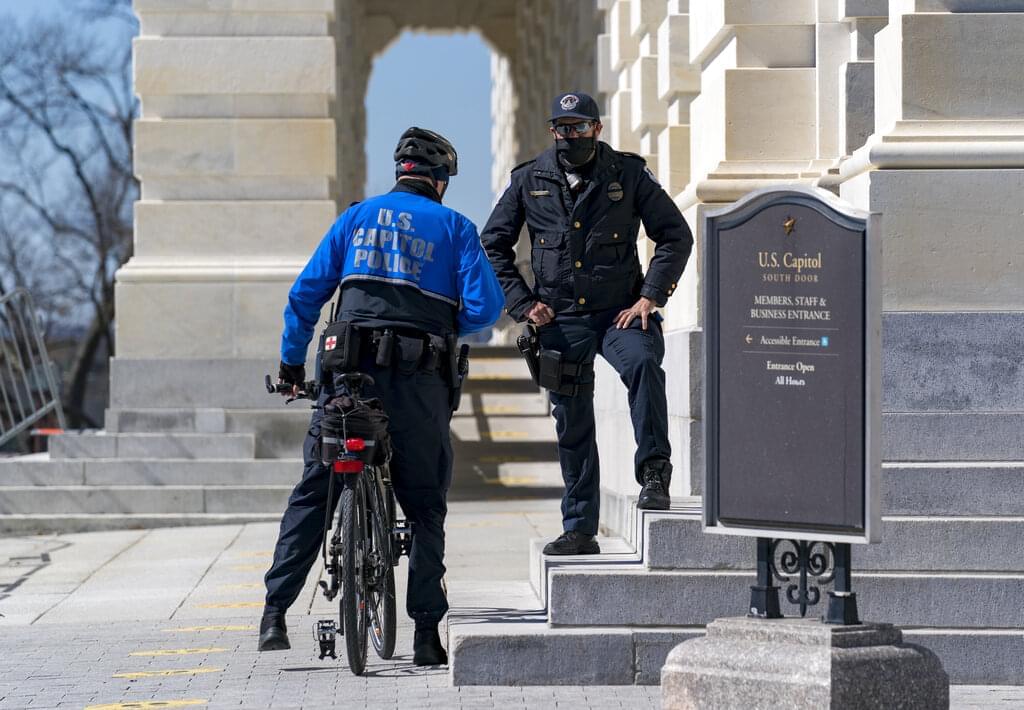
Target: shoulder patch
[651,175]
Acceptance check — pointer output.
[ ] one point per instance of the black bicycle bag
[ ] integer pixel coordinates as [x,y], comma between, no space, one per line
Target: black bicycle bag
[346,418]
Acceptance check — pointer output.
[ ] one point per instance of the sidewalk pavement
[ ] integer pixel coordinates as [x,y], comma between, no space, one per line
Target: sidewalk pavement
[168,617]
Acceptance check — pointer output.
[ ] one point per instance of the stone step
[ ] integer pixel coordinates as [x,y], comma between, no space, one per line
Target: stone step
[952,436]
[505,429]
[39,471]
[502,638]
[614,551]
[953,488]
[908,543]
[489,404]
[176,445]
[143,499]
[639,597]
[33,523]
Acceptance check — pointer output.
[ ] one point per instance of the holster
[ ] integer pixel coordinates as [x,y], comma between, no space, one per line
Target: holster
[566,378]
[458,369]
[529,346]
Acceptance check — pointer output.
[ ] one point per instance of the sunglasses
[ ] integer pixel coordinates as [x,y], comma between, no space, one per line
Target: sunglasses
[567,129]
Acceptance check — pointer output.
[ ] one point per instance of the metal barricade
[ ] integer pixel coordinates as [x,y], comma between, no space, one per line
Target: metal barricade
[28,385]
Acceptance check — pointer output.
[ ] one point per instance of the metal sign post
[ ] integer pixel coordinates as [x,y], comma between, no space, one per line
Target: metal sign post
[793,390]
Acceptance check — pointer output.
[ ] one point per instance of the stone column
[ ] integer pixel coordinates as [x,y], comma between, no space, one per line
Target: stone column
[235,148]
[649,82]
[946,170]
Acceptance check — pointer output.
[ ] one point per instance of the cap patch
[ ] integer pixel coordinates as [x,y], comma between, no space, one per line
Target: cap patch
[569,102]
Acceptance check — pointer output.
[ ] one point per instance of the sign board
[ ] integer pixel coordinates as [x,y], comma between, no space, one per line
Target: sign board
[792,355]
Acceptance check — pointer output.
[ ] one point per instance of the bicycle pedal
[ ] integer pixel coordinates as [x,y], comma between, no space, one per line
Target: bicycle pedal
[326,633]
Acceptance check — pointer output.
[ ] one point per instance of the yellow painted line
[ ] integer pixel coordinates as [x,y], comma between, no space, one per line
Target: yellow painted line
[504,459]
[255,553]
[504,435]
[174,671]
[177,652]
[147,704]
[188,629]
[502,409]
[511,481]
[248,568]
[246,585]
[230,605]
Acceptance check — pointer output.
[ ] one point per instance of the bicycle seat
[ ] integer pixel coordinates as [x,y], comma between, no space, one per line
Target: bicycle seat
[354,381]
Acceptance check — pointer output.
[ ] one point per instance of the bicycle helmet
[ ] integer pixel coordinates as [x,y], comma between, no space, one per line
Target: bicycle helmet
[423,152]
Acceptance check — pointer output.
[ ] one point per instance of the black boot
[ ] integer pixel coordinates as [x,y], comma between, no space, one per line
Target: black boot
[273,632]
[573,543]
[427,649]
[655,477]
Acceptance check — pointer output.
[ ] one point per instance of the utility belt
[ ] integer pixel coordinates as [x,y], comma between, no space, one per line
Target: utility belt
[550,369]
[343,346]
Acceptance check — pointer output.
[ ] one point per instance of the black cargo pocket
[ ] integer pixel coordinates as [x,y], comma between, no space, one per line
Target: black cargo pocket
[611,246]
[311,446]
[548,258]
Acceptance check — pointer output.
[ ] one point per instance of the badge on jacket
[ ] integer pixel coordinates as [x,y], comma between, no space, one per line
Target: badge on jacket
[614,191]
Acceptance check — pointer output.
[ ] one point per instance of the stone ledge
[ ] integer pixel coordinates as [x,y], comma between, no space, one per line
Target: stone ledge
[234,65]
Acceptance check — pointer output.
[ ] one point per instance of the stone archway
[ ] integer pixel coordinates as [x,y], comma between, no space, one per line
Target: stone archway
[252,135]
[539,47]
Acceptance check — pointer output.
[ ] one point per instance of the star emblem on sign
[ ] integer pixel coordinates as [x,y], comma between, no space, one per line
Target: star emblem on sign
[331,342]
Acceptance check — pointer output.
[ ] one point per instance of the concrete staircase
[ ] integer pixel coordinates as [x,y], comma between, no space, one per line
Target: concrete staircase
[949,570]
[194,464]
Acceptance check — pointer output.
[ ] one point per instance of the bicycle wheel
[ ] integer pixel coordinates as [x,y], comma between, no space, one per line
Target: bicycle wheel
[353,572]
[383,614]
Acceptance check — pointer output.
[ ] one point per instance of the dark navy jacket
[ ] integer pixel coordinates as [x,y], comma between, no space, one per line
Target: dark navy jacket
[583,251]
[401,259]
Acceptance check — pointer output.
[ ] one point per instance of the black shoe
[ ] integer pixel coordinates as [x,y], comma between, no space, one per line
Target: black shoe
[573,543]
[273,633]
[655,477]
[427,649]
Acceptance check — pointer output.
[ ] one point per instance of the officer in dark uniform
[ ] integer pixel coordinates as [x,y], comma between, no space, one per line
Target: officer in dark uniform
[407,265]
[582,203]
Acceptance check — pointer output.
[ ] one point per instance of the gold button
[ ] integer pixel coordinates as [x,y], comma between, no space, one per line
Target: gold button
[673,285]
[581,301]
[615,236]
[578,264]
[577,225]
[541,241]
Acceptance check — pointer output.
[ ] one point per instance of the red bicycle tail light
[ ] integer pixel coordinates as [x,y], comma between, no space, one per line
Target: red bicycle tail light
[355,444]
[348,466]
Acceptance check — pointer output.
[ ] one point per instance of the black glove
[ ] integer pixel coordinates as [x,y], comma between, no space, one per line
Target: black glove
[294,375]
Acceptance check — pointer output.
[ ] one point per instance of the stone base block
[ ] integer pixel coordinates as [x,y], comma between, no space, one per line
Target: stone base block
[797,663]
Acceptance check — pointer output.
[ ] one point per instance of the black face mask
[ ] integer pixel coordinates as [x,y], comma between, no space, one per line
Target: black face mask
[575,152]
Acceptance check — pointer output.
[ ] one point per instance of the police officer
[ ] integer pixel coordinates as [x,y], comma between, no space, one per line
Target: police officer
[582,203]
[403,262]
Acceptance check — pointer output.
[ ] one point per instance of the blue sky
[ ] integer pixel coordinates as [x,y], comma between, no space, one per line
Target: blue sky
[441,82]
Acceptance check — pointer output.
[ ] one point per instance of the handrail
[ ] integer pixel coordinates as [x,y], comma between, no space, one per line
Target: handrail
[28,385]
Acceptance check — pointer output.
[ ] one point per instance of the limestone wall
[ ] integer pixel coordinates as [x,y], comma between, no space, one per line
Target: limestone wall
[909,108]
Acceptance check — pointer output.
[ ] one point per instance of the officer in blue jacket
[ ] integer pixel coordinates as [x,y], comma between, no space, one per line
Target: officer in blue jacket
[404,263]
[583,203]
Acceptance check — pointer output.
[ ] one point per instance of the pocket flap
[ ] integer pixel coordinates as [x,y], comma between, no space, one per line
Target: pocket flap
[610,235]
[548,240]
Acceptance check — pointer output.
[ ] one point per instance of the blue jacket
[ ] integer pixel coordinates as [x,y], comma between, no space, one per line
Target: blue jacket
[401,259]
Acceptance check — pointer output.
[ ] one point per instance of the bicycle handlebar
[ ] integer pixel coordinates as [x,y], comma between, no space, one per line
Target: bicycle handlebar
[308,390]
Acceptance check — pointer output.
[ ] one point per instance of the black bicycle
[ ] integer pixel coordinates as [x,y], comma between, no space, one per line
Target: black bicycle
[368,539]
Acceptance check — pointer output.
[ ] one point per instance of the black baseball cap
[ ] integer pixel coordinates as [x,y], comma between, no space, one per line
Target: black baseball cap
[574,105]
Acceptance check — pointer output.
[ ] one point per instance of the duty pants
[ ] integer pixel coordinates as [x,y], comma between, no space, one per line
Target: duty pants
[417,405]
[636,355]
